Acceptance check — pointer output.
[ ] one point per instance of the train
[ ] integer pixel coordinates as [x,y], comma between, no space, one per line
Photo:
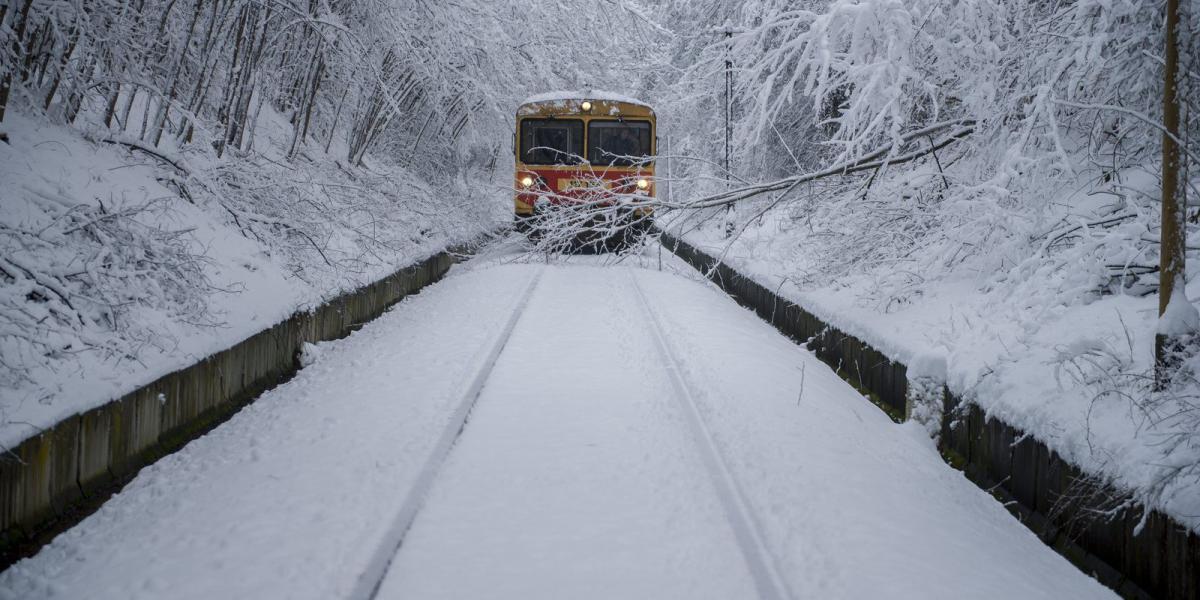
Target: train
[584,166]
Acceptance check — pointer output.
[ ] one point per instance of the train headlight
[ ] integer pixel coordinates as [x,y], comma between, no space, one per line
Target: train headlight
[526,181]
[585,106]
[643,184]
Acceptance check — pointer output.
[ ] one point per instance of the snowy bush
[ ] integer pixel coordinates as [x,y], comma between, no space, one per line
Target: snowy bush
[72,273]
[1169,417]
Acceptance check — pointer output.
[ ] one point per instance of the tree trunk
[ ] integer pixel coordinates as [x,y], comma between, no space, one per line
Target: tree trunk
[62,68]
[5,79]
[336,116]
[75,98]
[1176,315]
[225,112]
[18,45]
[160,117]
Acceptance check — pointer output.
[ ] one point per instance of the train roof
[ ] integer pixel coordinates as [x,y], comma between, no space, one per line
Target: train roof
[583,95]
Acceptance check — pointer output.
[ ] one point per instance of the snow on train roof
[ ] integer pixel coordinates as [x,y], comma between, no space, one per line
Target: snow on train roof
[583,95]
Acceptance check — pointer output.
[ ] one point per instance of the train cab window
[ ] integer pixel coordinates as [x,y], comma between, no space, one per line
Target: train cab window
[551,141]
[618,143]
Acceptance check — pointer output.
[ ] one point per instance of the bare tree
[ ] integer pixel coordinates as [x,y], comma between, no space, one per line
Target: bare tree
[1178,318]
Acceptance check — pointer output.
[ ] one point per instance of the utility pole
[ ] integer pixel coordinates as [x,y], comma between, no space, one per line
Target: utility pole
[1177,317]
[728,99]
[729,226]
[670,177]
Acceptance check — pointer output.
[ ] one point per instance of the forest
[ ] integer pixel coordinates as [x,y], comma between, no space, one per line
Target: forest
[1000,191]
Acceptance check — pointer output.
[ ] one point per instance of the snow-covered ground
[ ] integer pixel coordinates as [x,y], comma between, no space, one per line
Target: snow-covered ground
[1070,372]
[578,473]
[154,278]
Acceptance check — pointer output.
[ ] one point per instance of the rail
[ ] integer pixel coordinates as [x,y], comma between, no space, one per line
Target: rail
[372,577]
[746,528]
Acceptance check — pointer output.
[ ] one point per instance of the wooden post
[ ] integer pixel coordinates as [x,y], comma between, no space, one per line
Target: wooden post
[1172,260]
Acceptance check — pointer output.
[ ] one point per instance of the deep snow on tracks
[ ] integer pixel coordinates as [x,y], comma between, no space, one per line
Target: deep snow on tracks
[852,505]
[577,474]
[575,477]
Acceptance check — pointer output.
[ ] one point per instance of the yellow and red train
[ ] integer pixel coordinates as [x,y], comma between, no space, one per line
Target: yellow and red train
[588,148]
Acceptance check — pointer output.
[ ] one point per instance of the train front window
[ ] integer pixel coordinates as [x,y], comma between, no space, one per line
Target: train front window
[551,141]
[618,143]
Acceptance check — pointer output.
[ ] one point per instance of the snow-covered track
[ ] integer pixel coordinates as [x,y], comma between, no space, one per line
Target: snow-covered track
[368,584]
[746,528]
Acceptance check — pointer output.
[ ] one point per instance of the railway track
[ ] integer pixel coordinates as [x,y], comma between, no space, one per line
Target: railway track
[591,468]
[368,584]
[746,529]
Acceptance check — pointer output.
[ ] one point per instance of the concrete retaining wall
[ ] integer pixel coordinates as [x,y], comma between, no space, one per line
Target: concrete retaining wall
[51,480]
[1036,485]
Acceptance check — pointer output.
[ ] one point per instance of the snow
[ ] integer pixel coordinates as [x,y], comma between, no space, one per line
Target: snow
[575,476]
[998,251]
[1015,262]
[1046,368]
[856,507]
[1181,316]
[240,282]
[287,498]
[582,95]
[309,354]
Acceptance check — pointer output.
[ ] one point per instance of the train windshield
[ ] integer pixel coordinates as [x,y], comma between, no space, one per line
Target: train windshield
[618,143]
[551,141]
